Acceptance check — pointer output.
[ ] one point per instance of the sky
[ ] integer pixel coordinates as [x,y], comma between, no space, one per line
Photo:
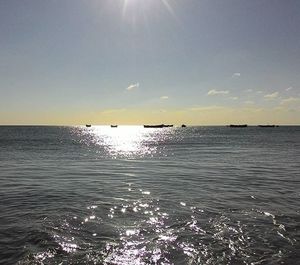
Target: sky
[198,62]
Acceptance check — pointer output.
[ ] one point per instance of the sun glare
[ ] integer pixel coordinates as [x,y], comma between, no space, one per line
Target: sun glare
[123,140]
[149,4]
[126,141]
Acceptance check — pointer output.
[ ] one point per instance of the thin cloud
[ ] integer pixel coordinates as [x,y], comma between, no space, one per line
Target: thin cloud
[235,75]
[271,96]
[207,108]
[164,97]
[289,101]
[249,102]
[234,98]
[132,86]
[214,92]
[289,88]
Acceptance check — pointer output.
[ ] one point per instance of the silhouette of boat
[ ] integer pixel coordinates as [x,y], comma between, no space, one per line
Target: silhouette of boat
[238,125]
[183,125]
[88,125]
[113,126]
[268,125]
[158,125]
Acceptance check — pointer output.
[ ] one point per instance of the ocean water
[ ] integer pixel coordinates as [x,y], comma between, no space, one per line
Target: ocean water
[129,195]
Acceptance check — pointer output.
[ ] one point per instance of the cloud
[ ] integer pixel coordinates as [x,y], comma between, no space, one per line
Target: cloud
[290,101]
[289,88]
[249,102]
[236,75]
[234,98]
[206,108]
[249,90]
[164,97]
[133,86]
[271,96]
[217,92]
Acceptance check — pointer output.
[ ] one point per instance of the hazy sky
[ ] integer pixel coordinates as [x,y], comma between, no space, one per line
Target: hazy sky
[144,61]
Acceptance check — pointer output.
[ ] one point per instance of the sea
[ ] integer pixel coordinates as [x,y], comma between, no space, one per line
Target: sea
[135,196]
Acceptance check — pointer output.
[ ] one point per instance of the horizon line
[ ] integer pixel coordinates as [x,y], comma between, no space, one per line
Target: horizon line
[191,125]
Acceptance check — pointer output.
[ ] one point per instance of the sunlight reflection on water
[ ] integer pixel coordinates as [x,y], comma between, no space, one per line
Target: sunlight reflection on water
[146,232]
[125,141]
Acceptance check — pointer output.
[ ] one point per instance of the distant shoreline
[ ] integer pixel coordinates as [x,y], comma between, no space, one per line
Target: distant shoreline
[137,125]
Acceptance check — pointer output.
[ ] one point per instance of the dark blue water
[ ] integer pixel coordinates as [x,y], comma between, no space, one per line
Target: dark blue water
[129,195]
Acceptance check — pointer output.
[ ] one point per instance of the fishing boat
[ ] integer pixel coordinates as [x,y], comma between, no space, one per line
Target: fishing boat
[268,125]
[88,125]
[183,125]
[158,125]
[113,126]
[238,125]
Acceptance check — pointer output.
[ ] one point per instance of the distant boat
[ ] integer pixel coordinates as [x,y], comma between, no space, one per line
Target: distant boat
[88,125]
[238,125]
[268,125]
[113,126]
[183,125]
[158,125]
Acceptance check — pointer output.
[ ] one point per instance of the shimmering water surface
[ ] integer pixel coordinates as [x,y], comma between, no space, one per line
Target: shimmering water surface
[129,195]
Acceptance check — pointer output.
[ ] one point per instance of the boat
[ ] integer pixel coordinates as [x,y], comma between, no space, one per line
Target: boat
[158,125]
[238,125]
[113,126]
[268,125]
[183,125]
[88,125]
